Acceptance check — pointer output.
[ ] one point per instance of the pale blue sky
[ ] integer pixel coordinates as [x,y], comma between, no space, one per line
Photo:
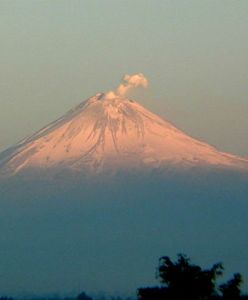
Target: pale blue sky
[57,53]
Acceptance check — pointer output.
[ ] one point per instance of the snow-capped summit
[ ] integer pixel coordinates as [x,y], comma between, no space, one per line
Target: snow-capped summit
[112,132]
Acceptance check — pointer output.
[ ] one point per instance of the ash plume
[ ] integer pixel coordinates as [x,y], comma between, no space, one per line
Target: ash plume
[129,82]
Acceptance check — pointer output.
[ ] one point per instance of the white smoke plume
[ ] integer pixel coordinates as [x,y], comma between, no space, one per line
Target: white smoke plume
[129,82]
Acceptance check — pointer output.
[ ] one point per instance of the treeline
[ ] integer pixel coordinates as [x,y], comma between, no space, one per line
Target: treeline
[179,280]
[182,280]
[81,296]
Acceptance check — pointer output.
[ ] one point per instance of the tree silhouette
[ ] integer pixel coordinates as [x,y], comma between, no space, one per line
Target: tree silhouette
[231,289]
[83,296]
[183,280]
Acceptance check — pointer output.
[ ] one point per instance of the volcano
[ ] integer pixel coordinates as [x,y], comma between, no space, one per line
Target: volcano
[96,197]
[111,132]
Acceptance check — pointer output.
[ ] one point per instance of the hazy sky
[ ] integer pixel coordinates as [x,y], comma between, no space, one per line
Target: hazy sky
[56,53]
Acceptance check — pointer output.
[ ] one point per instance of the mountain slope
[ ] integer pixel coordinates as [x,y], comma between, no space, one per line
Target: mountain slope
[109,132]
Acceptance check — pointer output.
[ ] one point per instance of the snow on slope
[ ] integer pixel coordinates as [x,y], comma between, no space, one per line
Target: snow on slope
[111,132]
